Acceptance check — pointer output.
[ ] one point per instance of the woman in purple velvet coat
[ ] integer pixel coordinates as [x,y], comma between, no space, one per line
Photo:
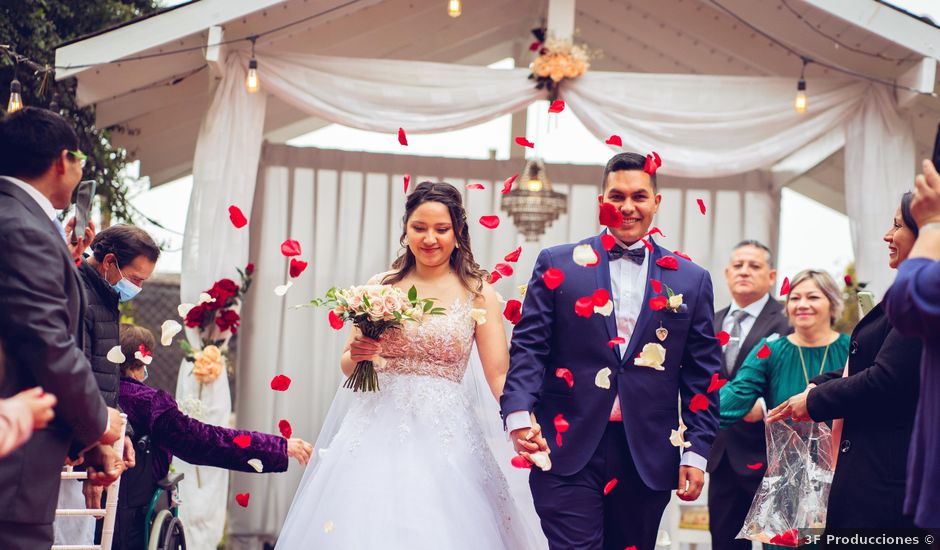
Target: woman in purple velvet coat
[156,417]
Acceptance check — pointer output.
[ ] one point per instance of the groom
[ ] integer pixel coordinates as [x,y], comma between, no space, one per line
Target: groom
[614,449]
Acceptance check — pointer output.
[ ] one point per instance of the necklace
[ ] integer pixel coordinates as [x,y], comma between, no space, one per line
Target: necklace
[821,365]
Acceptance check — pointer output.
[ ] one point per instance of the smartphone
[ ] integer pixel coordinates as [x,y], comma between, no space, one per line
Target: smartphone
[83,197]
[866,302]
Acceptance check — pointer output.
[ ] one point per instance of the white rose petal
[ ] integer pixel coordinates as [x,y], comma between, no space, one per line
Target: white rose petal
[675,301]
[602,378]
[677,441]
[322,452]
[653,355]
[256,464]
[183,309]
[204,297]
[606,309]
[328,527]
[145,359]
[281,290]
[584,255]
[168,330]
[479,315]
[115,355]
[542,460]
[773,337]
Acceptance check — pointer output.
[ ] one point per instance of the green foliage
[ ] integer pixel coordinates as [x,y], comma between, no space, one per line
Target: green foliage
[850,314]
[34,28]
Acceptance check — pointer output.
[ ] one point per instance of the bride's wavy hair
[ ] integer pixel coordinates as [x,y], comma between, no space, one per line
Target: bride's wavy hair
[461,259]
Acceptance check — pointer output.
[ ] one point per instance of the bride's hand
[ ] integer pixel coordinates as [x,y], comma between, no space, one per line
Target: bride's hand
[299,449]
[363,348]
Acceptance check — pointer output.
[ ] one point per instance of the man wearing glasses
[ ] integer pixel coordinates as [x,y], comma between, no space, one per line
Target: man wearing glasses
[41,303]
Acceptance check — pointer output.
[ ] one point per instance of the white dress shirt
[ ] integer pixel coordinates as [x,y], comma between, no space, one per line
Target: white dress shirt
[628,288]
[753,310]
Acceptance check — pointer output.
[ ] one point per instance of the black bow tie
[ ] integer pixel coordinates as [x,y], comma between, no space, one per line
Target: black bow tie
[635,255]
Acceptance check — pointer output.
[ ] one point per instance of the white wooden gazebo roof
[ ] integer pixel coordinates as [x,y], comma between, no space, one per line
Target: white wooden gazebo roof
[159,101]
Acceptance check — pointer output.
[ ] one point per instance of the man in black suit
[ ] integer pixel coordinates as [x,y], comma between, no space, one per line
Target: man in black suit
[752,315]
[40,313]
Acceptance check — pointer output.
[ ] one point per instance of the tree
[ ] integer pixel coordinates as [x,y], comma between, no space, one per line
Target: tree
[34,29]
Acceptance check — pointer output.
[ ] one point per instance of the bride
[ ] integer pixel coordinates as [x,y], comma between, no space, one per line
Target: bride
[412,465]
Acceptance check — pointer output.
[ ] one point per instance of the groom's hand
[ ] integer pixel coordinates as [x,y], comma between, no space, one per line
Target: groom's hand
[691,481]
[529,440]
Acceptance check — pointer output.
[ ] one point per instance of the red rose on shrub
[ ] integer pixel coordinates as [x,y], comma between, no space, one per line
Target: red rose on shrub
[196,316]
[848,280]
[228,319]
[222,291]
[249,269]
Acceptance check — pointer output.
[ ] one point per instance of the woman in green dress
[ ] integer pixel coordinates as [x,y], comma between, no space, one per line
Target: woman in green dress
[778,368]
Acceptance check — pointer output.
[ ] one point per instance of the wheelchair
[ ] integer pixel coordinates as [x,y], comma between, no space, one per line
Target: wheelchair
[162,518]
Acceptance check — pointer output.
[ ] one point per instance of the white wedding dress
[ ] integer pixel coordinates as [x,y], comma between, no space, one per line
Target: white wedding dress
[412,466]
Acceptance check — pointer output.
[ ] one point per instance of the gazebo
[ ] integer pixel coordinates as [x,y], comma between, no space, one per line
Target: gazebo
[709,84]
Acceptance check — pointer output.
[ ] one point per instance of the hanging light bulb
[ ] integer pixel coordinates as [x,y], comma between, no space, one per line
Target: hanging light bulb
[454,9]
[801,102]
[252,83]
[16,99]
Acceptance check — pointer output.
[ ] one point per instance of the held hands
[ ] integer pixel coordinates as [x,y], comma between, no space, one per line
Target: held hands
[130,455]
[794,408]
[529,440]
[40,404]
[105,465]
[691,481]
[299,449]
[925,206]
[81,242]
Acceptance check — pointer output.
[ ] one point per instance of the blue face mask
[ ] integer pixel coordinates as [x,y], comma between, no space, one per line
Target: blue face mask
[126,290]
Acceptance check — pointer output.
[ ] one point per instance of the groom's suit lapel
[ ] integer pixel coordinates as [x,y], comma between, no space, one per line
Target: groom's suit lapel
[602,274]
[646,313]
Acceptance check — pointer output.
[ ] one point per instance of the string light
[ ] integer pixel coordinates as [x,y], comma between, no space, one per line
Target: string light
[251,81]
[16,99]
[801,102]
[454,9]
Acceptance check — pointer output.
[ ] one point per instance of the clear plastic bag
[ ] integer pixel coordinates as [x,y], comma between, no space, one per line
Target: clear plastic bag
[795,489]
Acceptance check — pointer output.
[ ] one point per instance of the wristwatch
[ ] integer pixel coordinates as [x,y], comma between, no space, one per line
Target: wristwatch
[928,226]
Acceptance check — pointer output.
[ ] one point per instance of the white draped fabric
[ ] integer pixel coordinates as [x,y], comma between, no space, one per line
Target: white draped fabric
[704,126]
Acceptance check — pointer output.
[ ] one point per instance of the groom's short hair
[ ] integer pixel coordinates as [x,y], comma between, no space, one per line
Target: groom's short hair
[626,161]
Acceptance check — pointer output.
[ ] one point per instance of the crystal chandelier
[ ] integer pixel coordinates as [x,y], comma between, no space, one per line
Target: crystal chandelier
[532,205]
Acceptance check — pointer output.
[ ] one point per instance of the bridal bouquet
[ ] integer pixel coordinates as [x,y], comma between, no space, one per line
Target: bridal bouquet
[373,309]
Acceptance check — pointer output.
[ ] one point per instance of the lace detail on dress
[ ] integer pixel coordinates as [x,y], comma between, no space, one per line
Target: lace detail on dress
[437,346]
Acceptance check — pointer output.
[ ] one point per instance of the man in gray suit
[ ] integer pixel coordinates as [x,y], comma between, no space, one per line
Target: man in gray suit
[40,313]
[739,455]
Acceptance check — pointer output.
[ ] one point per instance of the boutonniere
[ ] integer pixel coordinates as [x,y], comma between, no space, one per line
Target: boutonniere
[671,301]
[653,356]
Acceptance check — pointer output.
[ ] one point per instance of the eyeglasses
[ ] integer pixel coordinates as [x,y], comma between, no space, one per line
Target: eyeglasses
[82,158]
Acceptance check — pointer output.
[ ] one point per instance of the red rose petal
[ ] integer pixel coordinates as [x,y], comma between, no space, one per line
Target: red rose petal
[699,402]
[524,142]
[755,466]
[654,230]
[584,307]
[647,244]
[608,241]
[614,140]
[285,428]
[610,486]
[407,182]
[763,352]
[504,269]
[489,222]
[238,218]
[242,440]
[716,383]
[494,276]
[561,425]
[475,186]
[657,286]
[557,106]
[507,185]
[242,499]
[290,247]
[520,462]
[558,439]
[335,322]
[615,341]
[280,383]
[513,311]
[788,538]
[658,303]
[668,262]
[653,162]
[553,277]
[600,297]
[723,338]
[402,138]
[514,255]
[701,205]
[535,46]
[565,374]
[297,267]
[682,254]
[610,215]
[785,287]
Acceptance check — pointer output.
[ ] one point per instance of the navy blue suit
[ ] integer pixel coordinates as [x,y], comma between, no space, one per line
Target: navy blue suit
[549,336]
